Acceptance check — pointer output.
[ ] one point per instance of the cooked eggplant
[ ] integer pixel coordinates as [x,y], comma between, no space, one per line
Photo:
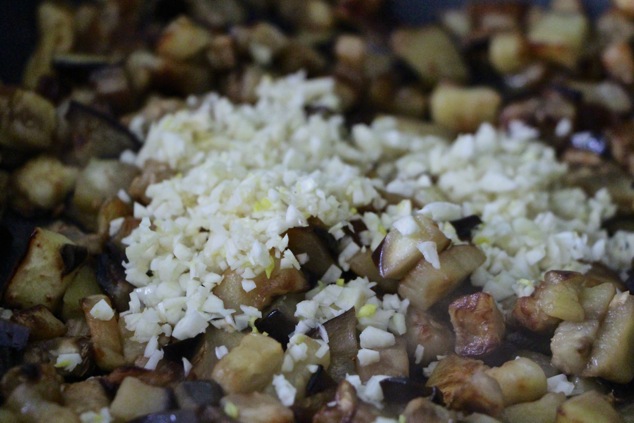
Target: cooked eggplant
[250,366]
[257,407]
[478,324]
[277,325]
[104,331]
[588,407]
[399,252]
[192,394]
[111,277]
[424,285]
[44,272]
[135,398]
[95,135]
[13,340]
[344,344]
[521,380]
[87,395]
[400,390]
[42,324]
[435,338]
[77,66]
[27,120]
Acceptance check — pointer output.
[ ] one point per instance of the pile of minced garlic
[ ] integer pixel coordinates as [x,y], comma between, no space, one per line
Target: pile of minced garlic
[245,174]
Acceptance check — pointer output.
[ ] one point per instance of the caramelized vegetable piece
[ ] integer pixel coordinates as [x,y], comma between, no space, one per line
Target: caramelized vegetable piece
[56,29]
[423,410]
[393,361]
[135,398]
[279,282]
[464,109]
[99,181]
[42,184]
[307,241]
[44,272]
[435,337]
[96,135]
[41,322]
[572,344]
[250,366]
[424,285]
[205,358]
[27,121]
[399,253]
[83,285]
[183,40]
[104,333]
[559,37]
[586,408]
[521,380]
[257,408]
[478,324]
[346,407]
[430,52]
[32,407]
[84,396]
[612,351]
[465,386]
[543,410]
[343,342]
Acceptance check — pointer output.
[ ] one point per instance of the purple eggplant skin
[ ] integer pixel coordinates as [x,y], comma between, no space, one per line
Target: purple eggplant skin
[97,135]
[277,325]
[343,340]
[13,340]
[465,226]
[195,394]
[319,381]
[111,277]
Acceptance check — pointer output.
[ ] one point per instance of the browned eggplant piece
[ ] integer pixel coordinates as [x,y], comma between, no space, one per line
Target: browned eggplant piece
[431,53]
[267,287]
[542,410]
[41,185]
[97,135]
[424,285]
[99,181]
[13,340]
[205,357]
[83,285]
[167,374]
[464,109]
[135,399]
[465,386]
[588,407]
[111,277]
[559,37]
[478,324]
[41,322]
[614,344]
[344,345]
[423,329]
[43,378]
[71,356]
[29,404]
[250,366]
[363,265]
[87,395]
[153,172]
[44,272]
[27,120]
[423,410]
[257,407]
[193,394]
[346,407]
[393,362]
[399,253]
[104,331]
[521,380]
[307,241]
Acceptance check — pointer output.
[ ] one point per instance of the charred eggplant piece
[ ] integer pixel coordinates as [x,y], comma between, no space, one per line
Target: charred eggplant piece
[465,226]
[45,271]
[41,322]
[111,277]
[478,324]
[97,135]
